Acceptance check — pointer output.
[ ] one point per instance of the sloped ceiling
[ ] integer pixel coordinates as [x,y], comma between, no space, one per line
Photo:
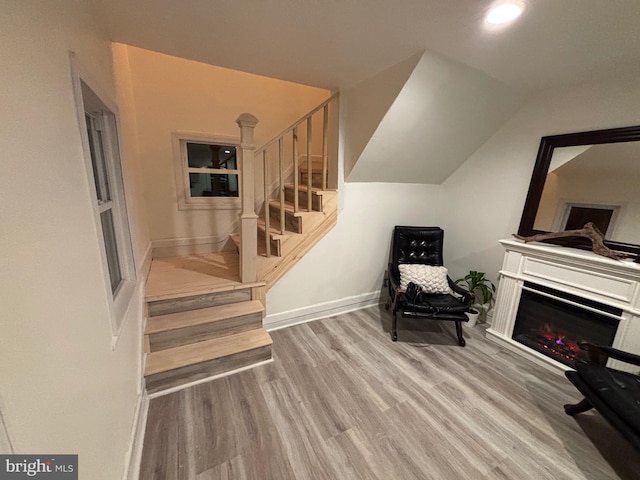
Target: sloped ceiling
[443,113]
[564,155]
[369,102]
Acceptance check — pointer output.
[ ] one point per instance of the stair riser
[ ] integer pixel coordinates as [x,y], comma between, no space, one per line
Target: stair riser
[275,244]
[191,373]
[316,179]
[205,331]
[292,223]
[174,305]
[316,200]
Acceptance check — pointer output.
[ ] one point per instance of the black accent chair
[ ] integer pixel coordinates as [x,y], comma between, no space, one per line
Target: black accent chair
[613,393]
[423,245]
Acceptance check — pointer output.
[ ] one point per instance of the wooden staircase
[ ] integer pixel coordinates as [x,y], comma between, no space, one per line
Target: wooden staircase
[205,312]
[303,230]
[202,321]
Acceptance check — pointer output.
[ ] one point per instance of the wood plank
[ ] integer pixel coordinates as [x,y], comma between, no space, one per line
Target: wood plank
[185,355]
[274,240]
[198,325]
[174,321]
[296,222]
[316,199]
[296,246]
[271,272]
[207,331]
[165,431]
[342,401]
[260,294]
[190,373]
[193,274]
[195,302]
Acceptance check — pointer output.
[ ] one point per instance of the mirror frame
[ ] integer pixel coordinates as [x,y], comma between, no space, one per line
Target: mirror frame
[539,175]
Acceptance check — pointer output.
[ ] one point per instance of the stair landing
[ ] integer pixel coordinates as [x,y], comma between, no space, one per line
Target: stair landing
[176,277]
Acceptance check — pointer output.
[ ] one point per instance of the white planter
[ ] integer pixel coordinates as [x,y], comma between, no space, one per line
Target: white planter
[473,315]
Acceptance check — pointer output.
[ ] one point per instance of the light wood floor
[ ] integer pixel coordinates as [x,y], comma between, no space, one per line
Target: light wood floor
[341,401]
[193,274]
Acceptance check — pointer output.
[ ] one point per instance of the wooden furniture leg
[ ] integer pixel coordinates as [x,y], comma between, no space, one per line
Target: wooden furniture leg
[461,341]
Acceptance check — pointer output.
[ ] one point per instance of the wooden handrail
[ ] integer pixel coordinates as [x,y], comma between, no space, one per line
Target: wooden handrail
[293,128]
[296,123]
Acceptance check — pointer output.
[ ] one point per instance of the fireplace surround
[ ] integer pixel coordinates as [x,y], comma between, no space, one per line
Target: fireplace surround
[593,298]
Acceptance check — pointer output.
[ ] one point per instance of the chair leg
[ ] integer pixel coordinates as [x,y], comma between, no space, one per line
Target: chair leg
[394,327]
[579,407]
[461,341]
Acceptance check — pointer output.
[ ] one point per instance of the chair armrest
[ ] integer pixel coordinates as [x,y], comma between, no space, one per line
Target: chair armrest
[598,354]
[467,296]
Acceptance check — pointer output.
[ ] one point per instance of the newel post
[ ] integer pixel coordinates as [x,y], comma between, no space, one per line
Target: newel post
[248,217]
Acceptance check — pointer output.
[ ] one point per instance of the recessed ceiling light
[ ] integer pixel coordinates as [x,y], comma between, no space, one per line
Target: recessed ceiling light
[227,151]
[504,12]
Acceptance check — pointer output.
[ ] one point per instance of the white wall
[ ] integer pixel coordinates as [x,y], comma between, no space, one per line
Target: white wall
[63,388]
[367,104]
[486,195]
[443,113]
[477,206]
[173,94]
[352,258]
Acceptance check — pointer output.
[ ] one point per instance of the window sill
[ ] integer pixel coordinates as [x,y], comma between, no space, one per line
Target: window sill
[210,203]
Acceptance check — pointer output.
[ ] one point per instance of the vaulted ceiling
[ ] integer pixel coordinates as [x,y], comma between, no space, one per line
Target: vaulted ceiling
[335,44]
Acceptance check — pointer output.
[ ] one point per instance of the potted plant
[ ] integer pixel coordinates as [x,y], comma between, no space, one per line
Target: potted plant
[482,289]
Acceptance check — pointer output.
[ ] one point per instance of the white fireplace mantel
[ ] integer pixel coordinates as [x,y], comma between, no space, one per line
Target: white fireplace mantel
[577,272]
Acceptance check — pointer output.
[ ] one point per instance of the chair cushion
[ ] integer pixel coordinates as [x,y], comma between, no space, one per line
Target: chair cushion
[619,390]
[431,279]
[436,303]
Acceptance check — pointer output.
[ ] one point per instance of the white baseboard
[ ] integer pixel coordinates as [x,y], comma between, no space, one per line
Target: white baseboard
[171,247]
[321,310]
[134,455]
[185,241]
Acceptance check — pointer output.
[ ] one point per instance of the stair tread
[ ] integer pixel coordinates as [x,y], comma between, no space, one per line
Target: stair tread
[185,355]
[235,238]
[303,164]
[304,188]
[288,207]
[275,232]
[174,321]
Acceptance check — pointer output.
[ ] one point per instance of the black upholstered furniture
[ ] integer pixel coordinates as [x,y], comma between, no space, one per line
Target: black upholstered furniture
[613,393]
[423,245]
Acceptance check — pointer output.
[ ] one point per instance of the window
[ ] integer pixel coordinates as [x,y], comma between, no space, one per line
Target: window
[206,169]
[576,215]
[102,156]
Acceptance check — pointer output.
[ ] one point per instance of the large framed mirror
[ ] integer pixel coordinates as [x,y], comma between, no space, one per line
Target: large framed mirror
[587,177]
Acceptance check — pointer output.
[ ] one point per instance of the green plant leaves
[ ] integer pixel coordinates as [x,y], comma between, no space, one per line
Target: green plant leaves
[477,283]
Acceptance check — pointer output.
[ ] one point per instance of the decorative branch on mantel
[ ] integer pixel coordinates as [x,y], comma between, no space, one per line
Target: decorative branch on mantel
[589,231]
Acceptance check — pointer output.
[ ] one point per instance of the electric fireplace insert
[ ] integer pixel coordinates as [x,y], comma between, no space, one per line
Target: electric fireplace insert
[553,322]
